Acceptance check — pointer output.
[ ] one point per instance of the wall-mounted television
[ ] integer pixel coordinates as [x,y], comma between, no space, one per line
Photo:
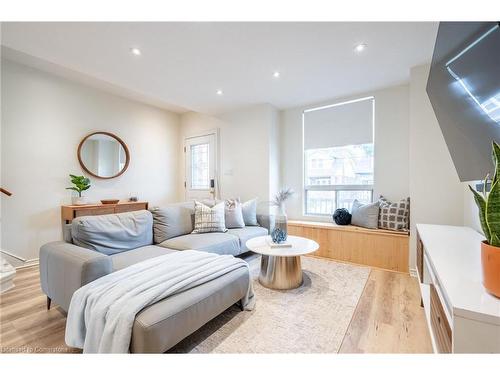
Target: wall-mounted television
[464,89]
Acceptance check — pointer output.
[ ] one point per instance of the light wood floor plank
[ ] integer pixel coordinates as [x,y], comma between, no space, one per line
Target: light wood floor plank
[388,318]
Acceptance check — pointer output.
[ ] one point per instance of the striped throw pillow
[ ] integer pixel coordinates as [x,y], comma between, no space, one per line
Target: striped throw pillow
[209,219]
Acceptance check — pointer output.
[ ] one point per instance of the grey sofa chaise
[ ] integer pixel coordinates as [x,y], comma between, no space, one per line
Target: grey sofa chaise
[95,246]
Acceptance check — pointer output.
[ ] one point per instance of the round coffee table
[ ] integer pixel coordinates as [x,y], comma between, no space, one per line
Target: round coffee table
[280,266]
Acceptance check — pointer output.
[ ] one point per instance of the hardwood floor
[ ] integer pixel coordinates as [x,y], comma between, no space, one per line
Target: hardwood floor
[25,324]
[388,318]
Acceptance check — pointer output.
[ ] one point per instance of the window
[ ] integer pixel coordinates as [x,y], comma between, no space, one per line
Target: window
[199,166]
[338,156]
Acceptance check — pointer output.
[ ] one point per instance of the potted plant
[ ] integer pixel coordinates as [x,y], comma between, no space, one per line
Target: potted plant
[81,184]
[489,216]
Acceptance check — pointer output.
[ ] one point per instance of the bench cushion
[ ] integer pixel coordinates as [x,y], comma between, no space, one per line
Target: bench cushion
[216,242]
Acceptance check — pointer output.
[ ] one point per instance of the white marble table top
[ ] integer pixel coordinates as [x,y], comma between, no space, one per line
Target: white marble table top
[300,246]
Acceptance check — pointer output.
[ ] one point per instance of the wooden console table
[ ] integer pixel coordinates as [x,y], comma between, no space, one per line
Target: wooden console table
[370,247]
[68,213]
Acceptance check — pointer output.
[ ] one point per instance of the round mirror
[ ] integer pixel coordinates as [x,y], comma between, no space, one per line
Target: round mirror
[103,155]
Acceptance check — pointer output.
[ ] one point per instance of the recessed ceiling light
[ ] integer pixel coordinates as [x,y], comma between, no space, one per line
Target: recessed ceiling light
[276,74]
[360,47]
[135,51]
[219,92]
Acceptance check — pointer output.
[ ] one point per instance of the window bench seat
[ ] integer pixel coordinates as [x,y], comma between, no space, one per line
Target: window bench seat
[347,243]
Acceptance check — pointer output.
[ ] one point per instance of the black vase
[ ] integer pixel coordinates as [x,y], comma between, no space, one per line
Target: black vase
[342,217]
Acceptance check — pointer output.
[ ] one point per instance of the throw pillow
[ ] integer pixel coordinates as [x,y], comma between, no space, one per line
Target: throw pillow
[210,202]
[365,215]
[209,219]
[172,220]
[234,214]
[394,216]
[249,210]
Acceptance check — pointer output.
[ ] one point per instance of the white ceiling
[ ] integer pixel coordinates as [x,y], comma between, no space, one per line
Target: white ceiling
[183,64]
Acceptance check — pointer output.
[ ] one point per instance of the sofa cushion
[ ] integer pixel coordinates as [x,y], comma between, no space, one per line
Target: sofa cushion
[246,233]
[172,220]
[162,325]
[127,258]
[111,234]
[215,242]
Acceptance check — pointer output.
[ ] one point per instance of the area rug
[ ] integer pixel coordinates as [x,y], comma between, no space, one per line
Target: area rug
[310,319]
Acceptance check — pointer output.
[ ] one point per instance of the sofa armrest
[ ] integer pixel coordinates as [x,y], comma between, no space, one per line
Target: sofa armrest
[266,221]
[65,267]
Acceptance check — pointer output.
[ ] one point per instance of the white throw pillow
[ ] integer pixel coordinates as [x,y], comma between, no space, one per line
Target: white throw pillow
[209,219]
[249,211]
[234,214]
[365,215]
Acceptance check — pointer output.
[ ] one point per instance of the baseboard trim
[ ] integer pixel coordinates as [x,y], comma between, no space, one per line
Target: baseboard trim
[26,262]
[413,272]
[13,255]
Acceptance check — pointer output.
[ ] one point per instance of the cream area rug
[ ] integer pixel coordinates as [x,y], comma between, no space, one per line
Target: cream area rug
[310,319]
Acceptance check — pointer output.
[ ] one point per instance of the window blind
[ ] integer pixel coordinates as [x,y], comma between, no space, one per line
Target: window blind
[339,125]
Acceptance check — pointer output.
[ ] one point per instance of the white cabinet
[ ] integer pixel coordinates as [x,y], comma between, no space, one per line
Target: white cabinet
[462,317]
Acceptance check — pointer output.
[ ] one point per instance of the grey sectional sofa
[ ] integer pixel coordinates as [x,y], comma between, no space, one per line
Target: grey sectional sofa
[95,246]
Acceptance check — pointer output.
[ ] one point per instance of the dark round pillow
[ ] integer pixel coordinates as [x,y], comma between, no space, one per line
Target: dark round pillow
[342,217]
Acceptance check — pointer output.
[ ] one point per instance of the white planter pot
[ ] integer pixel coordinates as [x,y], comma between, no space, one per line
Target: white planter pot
[78,200]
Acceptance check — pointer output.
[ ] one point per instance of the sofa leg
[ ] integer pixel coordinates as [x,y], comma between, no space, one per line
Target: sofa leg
[48,302]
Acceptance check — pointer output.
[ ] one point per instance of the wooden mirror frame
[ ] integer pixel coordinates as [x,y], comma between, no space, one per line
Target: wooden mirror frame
[127,155]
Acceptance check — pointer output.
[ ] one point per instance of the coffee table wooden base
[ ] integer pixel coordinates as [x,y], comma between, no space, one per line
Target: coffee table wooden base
[280,272]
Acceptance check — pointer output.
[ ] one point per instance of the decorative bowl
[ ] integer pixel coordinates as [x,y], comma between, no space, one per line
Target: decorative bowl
[109,201]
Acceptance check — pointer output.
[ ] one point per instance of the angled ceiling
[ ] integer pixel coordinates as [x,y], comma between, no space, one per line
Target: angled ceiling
[182,65]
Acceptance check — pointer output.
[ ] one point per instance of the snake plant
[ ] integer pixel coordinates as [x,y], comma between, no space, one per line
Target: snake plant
[489,204]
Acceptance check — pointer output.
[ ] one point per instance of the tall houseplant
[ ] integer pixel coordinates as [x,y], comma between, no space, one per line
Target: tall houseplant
[81,183]
[489,216]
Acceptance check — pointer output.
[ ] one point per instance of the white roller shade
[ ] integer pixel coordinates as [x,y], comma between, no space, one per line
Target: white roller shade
[340,125]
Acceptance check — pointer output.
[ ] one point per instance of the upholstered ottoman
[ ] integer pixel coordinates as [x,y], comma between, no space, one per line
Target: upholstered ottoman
[159,327]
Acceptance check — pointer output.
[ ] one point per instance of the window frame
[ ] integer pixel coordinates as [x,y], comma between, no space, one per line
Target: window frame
[335,188]
[199,187]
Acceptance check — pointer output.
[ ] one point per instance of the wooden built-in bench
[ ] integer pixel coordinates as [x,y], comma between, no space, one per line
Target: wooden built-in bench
[371,247]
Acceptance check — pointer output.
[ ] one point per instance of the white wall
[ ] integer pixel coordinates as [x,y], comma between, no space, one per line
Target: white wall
[391,146]
[436,192]
[249,151]
[43,120]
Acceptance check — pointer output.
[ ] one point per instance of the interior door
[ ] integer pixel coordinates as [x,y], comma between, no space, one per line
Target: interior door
[201,158]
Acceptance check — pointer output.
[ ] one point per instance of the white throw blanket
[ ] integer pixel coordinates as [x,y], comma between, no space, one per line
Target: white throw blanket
[102,313]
